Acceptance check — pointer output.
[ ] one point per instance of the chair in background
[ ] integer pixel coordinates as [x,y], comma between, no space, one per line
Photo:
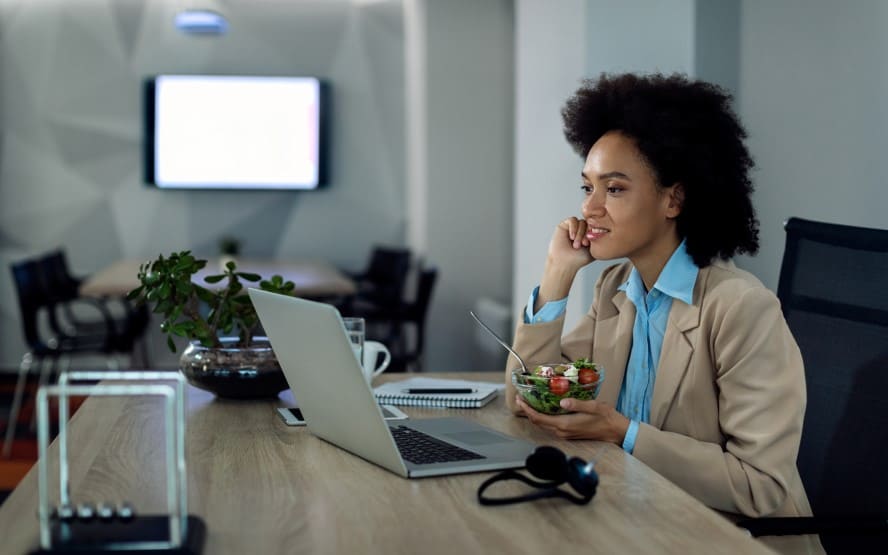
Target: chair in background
[130,322]
[833,293]
[381,284]
[408,323]
[49,348]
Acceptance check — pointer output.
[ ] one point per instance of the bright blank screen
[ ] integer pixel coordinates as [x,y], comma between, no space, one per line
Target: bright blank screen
[236,132]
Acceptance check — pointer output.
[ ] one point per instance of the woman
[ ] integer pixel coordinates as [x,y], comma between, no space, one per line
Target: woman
[704,381]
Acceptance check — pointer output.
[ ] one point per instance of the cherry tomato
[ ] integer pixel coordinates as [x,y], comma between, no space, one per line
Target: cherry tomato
[587,376]
[559,385]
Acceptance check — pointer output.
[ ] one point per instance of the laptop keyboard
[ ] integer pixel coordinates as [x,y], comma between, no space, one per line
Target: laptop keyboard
[420,448]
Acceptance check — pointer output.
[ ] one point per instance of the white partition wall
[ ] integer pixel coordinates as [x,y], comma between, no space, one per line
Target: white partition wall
[549,63]
[460,87]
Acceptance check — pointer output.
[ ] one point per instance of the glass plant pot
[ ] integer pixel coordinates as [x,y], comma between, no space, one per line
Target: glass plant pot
[234,372]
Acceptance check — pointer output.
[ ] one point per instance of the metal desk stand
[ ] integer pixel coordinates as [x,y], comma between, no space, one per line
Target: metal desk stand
[111,527]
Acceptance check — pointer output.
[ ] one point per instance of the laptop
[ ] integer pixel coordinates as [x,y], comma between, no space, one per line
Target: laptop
[314,352]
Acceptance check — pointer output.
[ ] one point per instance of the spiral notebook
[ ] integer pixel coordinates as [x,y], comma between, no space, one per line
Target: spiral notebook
[414,392]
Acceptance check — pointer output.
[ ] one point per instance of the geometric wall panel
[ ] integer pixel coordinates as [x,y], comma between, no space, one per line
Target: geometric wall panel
[71,141]
[127,16]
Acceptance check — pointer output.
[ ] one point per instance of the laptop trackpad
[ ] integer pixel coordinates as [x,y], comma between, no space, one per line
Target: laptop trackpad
[477,437]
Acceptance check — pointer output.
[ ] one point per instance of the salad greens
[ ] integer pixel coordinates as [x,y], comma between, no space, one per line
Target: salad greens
[544,388]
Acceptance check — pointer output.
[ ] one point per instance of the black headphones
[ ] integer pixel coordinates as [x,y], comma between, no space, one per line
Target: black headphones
[550,464]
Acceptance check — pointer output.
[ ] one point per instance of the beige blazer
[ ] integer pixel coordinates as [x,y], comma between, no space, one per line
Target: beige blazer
[729,396]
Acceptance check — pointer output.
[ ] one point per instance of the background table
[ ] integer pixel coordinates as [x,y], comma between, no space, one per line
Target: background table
[263,487]
[312,278]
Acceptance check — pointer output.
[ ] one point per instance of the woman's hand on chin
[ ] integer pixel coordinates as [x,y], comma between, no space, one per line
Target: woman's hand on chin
[569,246]
[568,252]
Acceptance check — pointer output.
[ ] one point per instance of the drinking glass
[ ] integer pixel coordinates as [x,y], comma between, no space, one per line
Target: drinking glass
[355,328]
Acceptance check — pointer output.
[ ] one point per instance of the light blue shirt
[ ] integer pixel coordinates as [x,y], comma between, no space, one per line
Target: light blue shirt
[676,282]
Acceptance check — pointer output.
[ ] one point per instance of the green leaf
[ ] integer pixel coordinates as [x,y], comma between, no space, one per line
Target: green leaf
[182,283]
[204,294]
[214,279]
[230,265]
[181,266]
[170,344]
[225,316]
[583,363]
[181,329]
[249,276]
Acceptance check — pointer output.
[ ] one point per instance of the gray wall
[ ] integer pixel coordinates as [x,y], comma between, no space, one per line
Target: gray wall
[70,164]
[813,84]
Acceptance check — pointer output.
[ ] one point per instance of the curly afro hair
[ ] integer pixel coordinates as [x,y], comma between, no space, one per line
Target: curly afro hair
[688,134]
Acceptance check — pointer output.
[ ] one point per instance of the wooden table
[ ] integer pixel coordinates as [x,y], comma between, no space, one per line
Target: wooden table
[313,278]
[263,487]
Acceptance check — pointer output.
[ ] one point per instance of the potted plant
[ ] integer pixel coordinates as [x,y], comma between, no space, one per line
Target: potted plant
[224,354]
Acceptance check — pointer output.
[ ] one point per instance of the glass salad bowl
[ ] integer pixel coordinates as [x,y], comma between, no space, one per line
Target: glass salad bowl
[548,384]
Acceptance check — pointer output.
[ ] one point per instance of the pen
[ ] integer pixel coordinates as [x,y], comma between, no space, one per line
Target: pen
[439,390]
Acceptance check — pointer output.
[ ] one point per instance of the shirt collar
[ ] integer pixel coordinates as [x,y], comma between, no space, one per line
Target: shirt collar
[676,280]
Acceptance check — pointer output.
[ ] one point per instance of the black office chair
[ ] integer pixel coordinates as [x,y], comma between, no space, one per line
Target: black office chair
[47,347]
[413,315]
[833,292]
[130,321]
[381,284]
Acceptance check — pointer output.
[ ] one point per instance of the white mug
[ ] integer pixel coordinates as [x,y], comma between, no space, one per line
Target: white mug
[371,355]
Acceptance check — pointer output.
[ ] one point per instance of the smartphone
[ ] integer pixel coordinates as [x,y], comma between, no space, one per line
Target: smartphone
[293,416]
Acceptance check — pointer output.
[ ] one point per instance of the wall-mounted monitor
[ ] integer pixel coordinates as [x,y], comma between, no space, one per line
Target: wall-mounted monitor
[235,132]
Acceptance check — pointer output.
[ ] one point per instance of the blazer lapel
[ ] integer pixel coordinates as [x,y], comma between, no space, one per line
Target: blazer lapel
[615,324]
[678,347]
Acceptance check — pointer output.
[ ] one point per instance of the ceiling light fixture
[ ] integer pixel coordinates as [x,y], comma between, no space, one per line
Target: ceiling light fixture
[201,22]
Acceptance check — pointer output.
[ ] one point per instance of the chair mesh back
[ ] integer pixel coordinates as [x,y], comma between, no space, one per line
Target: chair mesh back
[31,290]
[61,284]
[834,296]
[387,272]
[420,307]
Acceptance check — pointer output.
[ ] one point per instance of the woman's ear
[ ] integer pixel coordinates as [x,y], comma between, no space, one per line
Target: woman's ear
[676,200]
